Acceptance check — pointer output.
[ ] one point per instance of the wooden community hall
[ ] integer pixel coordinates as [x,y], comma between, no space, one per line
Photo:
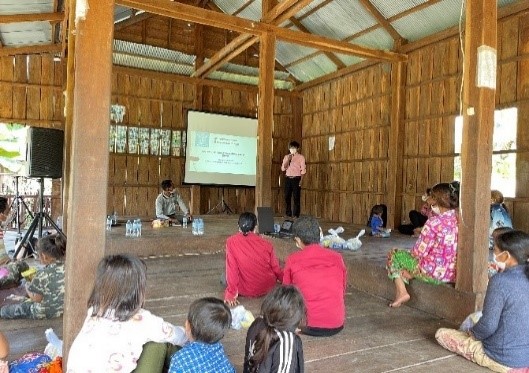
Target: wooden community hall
[372,90]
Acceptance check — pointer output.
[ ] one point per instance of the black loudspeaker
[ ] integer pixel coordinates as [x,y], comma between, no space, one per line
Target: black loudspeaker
[44,152]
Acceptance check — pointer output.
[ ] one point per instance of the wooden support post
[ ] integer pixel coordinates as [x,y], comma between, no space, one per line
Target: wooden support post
[265,116]
[194,207]
[88,179]
[396,144]
[478,121]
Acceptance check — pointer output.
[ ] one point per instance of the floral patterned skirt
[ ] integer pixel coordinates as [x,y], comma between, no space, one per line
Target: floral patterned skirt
[401,260]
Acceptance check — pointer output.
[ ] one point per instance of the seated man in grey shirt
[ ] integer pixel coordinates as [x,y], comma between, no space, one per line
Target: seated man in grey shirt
[167,202]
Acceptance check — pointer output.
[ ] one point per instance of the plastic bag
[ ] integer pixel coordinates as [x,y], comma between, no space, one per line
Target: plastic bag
[54,347]
[334,241]
[241,318]
[470,321]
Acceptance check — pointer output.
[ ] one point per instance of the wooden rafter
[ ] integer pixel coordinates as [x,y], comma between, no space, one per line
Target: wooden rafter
[193,14]
[382,21]
[311,12]
[276,15]
[136,18]
[31,49]
[35,17]
[233,49]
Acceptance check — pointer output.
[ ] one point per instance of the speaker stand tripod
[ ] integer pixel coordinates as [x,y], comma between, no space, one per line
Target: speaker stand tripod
[16,205]
[37,222]
[222,206]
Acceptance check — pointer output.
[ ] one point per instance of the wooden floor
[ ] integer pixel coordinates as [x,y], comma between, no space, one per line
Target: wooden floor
[376,338]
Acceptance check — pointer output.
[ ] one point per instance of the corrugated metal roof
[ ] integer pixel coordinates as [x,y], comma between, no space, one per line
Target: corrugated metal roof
[348,17]
[26,6]
[430,20]
[287,53]
[376,39]
[147,57]
[25,33]
[390,8]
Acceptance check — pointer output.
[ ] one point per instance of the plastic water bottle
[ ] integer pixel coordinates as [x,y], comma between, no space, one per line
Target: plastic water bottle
[200,227]
[134,232]
[194,229]
[114,218]
[184,222]
[128,229]
[109,223]
[138,234]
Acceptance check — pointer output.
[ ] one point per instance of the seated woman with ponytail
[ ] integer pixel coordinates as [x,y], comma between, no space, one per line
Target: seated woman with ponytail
[252,268]
[272,345]
[499,340]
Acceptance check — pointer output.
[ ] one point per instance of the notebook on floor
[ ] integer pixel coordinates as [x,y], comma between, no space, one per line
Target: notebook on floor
[265,221]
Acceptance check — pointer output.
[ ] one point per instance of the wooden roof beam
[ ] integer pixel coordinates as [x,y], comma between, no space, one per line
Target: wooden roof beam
[242,42]
[207,17]
[233,49]
[399,40]
[34,17]
[31,49]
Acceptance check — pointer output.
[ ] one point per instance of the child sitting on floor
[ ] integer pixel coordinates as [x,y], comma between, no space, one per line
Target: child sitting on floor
[376,223]
[271,342]
[207,321]
[116,331]
[46,290]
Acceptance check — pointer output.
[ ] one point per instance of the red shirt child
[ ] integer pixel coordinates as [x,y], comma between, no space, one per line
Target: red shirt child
[252,268]
[321,276]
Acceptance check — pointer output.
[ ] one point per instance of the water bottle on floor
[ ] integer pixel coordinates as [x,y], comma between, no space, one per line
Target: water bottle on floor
[184,222]
[194,229]
[200,227]
[109,223]
[128,229]
[139,228]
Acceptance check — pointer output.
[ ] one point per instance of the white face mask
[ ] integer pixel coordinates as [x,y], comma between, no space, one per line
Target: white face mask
[293,151]
[501,265]
[436,210]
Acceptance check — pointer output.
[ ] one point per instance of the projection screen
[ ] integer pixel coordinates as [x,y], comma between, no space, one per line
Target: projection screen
[221,149]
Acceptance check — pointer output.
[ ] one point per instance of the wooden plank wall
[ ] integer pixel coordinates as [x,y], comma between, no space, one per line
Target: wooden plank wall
[513,91]
[157,102]
[431,106]
[31,93]
[343,184]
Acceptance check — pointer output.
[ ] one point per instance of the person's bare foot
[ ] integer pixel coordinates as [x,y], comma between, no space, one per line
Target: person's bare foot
[399,301]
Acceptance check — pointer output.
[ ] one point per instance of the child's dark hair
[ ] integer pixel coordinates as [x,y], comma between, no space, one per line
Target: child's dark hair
[499,231]
[517,244]
[446,195]
[307,229]
[293,144]
[209,318]
[375,210]
[3,204]
[166,184]
[283,309]
[119,288]
[247,222]
[53,246]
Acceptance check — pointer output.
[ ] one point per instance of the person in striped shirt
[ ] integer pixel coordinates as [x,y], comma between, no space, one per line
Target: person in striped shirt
[272,344]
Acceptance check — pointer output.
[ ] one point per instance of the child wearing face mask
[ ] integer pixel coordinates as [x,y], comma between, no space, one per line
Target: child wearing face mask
[495,266]
[498,341]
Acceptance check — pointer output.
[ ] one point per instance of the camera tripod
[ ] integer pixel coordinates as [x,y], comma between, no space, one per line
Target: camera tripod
[37,222]
[222,206]
[15,211]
